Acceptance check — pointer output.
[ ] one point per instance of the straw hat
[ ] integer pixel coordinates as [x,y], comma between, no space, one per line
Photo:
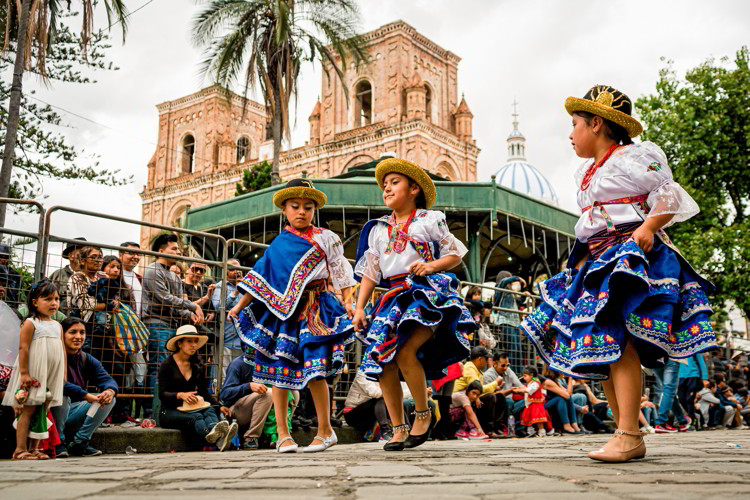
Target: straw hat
[197,406]
[300,188]
[183,332]
[610,104]
[410,170]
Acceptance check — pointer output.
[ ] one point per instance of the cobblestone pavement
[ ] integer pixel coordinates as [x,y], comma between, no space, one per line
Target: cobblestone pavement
[684,466]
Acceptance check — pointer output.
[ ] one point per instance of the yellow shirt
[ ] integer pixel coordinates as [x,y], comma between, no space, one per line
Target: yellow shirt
[470,374]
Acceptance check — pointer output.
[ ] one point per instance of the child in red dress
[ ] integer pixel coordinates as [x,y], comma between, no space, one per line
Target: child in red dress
[534,414]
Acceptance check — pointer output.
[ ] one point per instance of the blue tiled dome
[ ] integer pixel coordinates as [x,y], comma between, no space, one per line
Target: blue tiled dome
[526,178]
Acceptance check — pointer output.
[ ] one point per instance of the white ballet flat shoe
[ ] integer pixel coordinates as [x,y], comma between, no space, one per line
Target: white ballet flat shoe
[286,449]
[325,443]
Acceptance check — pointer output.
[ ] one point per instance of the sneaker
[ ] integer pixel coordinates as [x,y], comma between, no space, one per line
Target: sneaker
[90,451]
[226,441]
[475,434]
[82,449]
[541,433]
[219,430]
[251,444]
[664,429]
[338,423]
[386,436]
[648,429]
[61,451]
[684,427]
[127,424]
[462,434]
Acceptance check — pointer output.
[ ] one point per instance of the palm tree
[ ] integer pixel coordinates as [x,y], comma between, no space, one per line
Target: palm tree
[268,40]
[37,23]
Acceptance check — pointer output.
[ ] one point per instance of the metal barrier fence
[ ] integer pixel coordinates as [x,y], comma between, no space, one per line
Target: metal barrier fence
[212,251]
[90,294]
[23,251]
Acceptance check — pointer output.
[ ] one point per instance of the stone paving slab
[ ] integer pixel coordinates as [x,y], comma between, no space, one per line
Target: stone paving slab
[686,466]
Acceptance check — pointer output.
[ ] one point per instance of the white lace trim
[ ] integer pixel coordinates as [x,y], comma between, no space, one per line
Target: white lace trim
[671,198]
[369,265]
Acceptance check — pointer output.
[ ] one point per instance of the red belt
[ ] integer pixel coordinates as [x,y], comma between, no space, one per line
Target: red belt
[619,201]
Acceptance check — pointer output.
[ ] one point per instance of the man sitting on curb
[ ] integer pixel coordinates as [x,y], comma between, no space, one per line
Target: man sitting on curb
[249,402]
[500,367]
[82,412]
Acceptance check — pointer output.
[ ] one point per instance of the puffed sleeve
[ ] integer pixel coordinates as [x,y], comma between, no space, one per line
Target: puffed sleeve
[369,264]
[650,172]
[439,232]
[338,265]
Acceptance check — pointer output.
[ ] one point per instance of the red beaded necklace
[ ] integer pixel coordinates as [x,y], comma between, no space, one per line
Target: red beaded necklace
[596,166]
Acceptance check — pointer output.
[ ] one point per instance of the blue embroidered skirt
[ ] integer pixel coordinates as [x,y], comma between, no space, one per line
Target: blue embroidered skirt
[308,345]
[433,301]
[588,315]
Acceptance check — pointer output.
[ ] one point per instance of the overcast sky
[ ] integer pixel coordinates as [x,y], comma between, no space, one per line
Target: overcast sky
[539,52]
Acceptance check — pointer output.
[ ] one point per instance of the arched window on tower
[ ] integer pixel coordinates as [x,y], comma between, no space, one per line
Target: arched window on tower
[187,150]
[428,104]
[243,149]
[363,107]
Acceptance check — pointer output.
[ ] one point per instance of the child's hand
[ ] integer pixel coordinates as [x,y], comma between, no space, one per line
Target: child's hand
[234,312]
[644,237]
[422,268]
[26,382]
[359,321]
[349,310]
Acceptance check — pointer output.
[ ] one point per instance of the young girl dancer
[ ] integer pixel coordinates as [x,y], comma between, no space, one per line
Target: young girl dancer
[628,298]
[420,326]
[296,326]
[39,370]
[534,415]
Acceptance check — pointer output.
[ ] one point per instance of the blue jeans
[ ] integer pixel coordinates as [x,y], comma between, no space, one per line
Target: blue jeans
[515,408]
[159,333]
[71,418]
[668,377]
[563,409]
[579,401]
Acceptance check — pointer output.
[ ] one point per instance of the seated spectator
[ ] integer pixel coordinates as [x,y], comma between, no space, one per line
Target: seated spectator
[63,275]
[74,420]
[248,402]
[710,407]
[731,406]
[410,406]
[182,380]
[491,410]
[365,407]
[597,409]
[560,403]
[500,367]
[462,416]
[647,418]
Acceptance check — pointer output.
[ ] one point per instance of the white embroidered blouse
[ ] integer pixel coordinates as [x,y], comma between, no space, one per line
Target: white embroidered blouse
[638,169]
[341,272]
[428,226]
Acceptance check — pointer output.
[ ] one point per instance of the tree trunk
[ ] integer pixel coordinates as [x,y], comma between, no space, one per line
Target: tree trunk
[14,107]
[275,175]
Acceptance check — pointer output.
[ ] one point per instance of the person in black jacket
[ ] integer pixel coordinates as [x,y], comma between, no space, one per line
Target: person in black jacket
[186,403]
[248,402]
[73,418]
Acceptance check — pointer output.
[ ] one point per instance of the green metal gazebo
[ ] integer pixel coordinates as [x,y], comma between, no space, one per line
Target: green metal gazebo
[503,229]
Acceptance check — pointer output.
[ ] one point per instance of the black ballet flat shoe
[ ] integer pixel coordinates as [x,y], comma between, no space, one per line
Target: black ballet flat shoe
[414,441]
[396,445]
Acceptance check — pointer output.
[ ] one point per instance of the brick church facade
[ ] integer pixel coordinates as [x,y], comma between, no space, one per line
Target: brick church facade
[404,100]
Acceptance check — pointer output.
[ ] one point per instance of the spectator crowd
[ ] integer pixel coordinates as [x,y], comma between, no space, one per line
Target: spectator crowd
[144,349]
